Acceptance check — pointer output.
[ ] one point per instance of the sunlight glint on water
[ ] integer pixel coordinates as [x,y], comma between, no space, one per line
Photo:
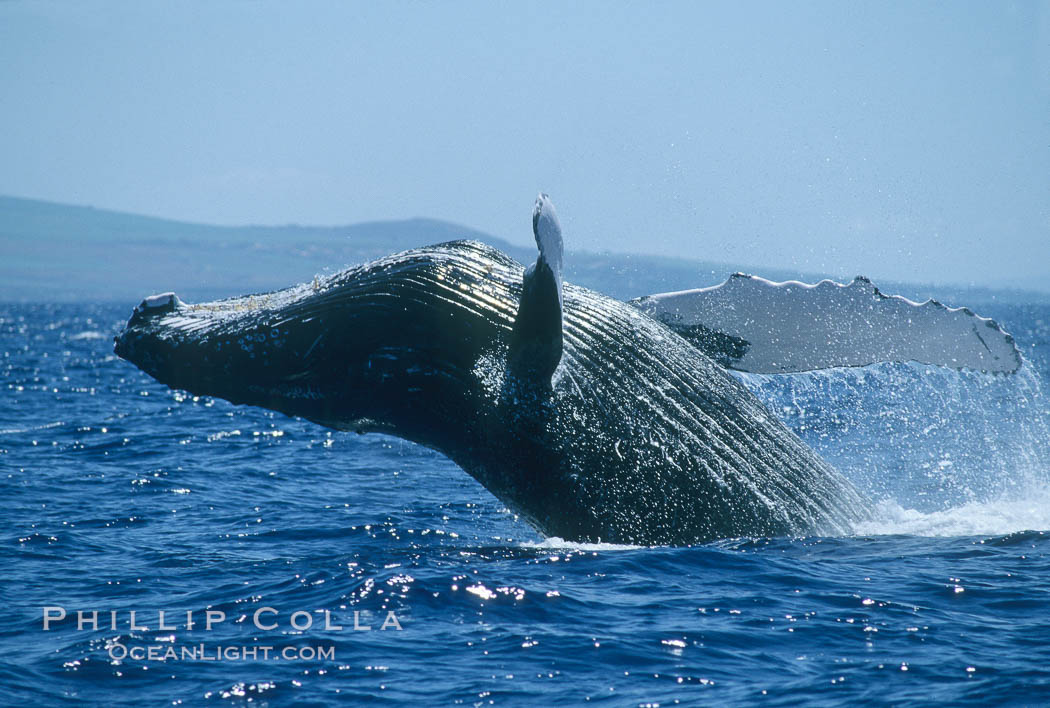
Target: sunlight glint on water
[120,494]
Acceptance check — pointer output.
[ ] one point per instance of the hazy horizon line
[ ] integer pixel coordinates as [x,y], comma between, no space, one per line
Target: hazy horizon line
[811,274]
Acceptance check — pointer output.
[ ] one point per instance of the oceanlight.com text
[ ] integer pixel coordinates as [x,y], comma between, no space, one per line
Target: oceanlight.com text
[203,652]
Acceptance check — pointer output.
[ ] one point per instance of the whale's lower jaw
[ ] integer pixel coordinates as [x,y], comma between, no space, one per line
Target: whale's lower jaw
[637,438]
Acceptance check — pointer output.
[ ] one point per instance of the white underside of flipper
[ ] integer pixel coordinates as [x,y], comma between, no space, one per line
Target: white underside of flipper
[792,326]
[547,230]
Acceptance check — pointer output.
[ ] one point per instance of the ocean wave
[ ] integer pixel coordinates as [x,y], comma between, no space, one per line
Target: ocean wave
[560,544]
[999,517]
[89,334]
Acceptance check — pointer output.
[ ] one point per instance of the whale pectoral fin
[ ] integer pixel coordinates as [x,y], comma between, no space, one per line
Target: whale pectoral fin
[536,340]
[751,324]
[535,345]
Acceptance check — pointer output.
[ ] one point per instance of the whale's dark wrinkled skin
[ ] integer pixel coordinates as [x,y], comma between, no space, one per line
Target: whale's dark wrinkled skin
[637,438]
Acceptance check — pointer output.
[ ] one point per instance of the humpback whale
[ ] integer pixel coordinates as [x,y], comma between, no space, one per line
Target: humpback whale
[594,419]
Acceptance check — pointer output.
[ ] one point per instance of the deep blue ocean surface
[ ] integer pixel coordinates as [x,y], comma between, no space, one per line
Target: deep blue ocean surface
[118,495]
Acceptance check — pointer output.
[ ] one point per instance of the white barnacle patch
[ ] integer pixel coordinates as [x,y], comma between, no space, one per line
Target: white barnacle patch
[160,300]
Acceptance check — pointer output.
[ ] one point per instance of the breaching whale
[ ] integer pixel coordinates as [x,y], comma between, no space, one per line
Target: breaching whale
[587,416]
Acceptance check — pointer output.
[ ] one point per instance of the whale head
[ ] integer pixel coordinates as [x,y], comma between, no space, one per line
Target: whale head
[373,348]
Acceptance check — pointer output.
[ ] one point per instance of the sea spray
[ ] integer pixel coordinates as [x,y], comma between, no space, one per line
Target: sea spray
[922,439]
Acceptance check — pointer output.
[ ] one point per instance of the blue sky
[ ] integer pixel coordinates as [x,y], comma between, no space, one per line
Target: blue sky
[899,140]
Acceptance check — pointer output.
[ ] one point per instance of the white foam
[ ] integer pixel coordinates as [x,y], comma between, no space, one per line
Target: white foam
[1029,512]
[90,334]
[554,543]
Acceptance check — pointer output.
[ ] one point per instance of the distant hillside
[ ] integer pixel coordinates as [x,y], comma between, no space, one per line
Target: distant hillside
[53,252]
[58,253]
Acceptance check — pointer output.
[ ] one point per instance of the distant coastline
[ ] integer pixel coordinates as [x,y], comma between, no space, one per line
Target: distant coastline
[52,252]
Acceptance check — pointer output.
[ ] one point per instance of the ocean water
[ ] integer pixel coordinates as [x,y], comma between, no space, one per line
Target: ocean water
[118,495]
